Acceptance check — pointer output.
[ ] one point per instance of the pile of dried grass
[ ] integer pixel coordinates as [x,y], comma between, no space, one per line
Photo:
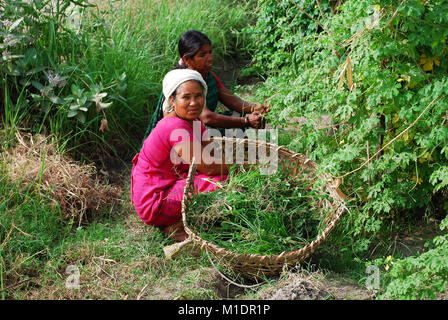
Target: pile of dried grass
[36,161]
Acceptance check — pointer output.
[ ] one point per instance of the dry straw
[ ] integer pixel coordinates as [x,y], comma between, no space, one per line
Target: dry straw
[36,162]
[255,266]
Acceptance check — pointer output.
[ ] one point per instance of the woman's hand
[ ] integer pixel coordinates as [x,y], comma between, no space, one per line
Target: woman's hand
[205,162]
[261,108]
[237,104]
[255,120]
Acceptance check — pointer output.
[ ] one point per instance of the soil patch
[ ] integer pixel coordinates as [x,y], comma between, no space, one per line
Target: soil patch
[304,285]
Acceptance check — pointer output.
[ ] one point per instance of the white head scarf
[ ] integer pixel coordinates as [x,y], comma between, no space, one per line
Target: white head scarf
[174,79]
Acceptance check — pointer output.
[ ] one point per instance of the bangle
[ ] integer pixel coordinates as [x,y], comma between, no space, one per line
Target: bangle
[246,121]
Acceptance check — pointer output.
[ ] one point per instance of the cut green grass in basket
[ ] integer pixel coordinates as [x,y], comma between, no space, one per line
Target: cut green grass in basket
[254,213]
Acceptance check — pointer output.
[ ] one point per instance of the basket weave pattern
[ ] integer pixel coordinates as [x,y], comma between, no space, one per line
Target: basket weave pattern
[254,265]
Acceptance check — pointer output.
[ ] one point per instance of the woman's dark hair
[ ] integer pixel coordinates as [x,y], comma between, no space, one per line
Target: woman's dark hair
[190,43]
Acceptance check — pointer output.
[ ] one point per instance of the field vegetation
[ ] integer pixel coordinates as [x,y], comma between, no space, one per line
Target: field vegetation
[80,80]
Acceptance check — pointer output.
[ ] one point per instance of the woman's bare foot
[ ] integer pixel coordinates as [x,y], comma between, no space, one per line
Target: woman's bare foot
[176,231]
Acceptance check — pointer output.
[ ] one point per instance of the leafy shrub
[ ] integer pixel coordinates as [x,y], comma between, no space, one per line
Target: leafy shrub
[43,42]
[279,30]
[419,277]
[379,71]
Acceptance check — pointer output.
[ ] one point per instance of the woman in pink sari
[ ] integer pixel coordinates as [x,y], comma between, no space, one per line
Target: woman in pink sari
[160,169]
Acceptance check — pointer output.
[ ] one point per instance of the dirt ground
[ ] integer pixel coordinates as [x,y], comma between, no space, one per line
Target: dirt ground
[293,286]
[314,286]
[299,285]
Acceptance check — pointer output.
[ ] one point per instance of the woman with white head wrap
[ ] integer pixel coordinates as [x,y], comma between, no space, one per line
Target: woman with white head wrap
[174,79]
[160,169]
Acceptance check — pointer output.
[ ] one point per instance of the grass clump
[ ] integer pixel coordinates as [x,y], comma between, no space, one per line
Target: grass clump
[36,162]
[259,214]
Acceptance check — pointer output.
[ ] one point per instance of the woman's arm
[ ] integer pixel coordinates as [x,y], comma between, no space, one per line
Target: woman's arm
[239,105]
[213,119]
[205,162]
[233,102]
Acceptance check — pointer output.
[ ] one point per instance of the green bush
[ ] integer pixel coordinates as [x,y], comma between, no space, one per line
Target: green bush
[279,30]
[418,277]
[397,54]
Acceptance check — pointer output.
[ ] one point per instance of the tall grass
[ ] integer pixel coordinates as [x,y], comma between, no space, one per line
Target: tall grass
[140,39]
[122,49]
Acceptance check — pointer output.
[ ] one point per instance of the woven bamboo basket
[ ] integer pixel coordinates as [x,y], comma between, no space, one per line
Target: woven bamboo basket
[254,266]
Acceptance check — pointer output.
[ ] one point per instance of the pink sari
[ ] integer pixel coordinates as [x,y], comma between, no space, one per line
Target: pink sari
[157,184]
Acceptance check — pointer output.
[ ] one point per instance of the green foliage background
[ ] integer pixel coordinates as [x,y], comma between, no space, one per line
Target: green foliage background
[68,64]
[398,56]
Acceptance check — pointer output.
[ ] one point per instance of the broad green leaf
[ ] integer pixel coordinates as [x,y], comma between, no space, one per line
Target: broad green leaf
[81,117]
[37,85]
[72,113]
[57,100]
[105,105]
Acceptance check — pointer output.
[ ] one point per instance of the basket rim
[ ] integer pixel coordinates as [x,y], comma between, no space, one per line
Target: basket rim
[295,255]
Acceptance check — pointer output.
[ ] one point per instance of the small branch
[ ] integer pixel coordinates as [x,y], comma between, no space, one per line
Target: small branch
[15,284]
[368,156]
[393,16]
[139,296]
[309,16]
[320,10]
[390,142]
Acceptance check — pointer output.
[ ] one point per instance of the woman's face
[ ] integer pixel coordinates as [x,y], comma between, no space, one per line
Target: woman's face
[202,61]
[189,100]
